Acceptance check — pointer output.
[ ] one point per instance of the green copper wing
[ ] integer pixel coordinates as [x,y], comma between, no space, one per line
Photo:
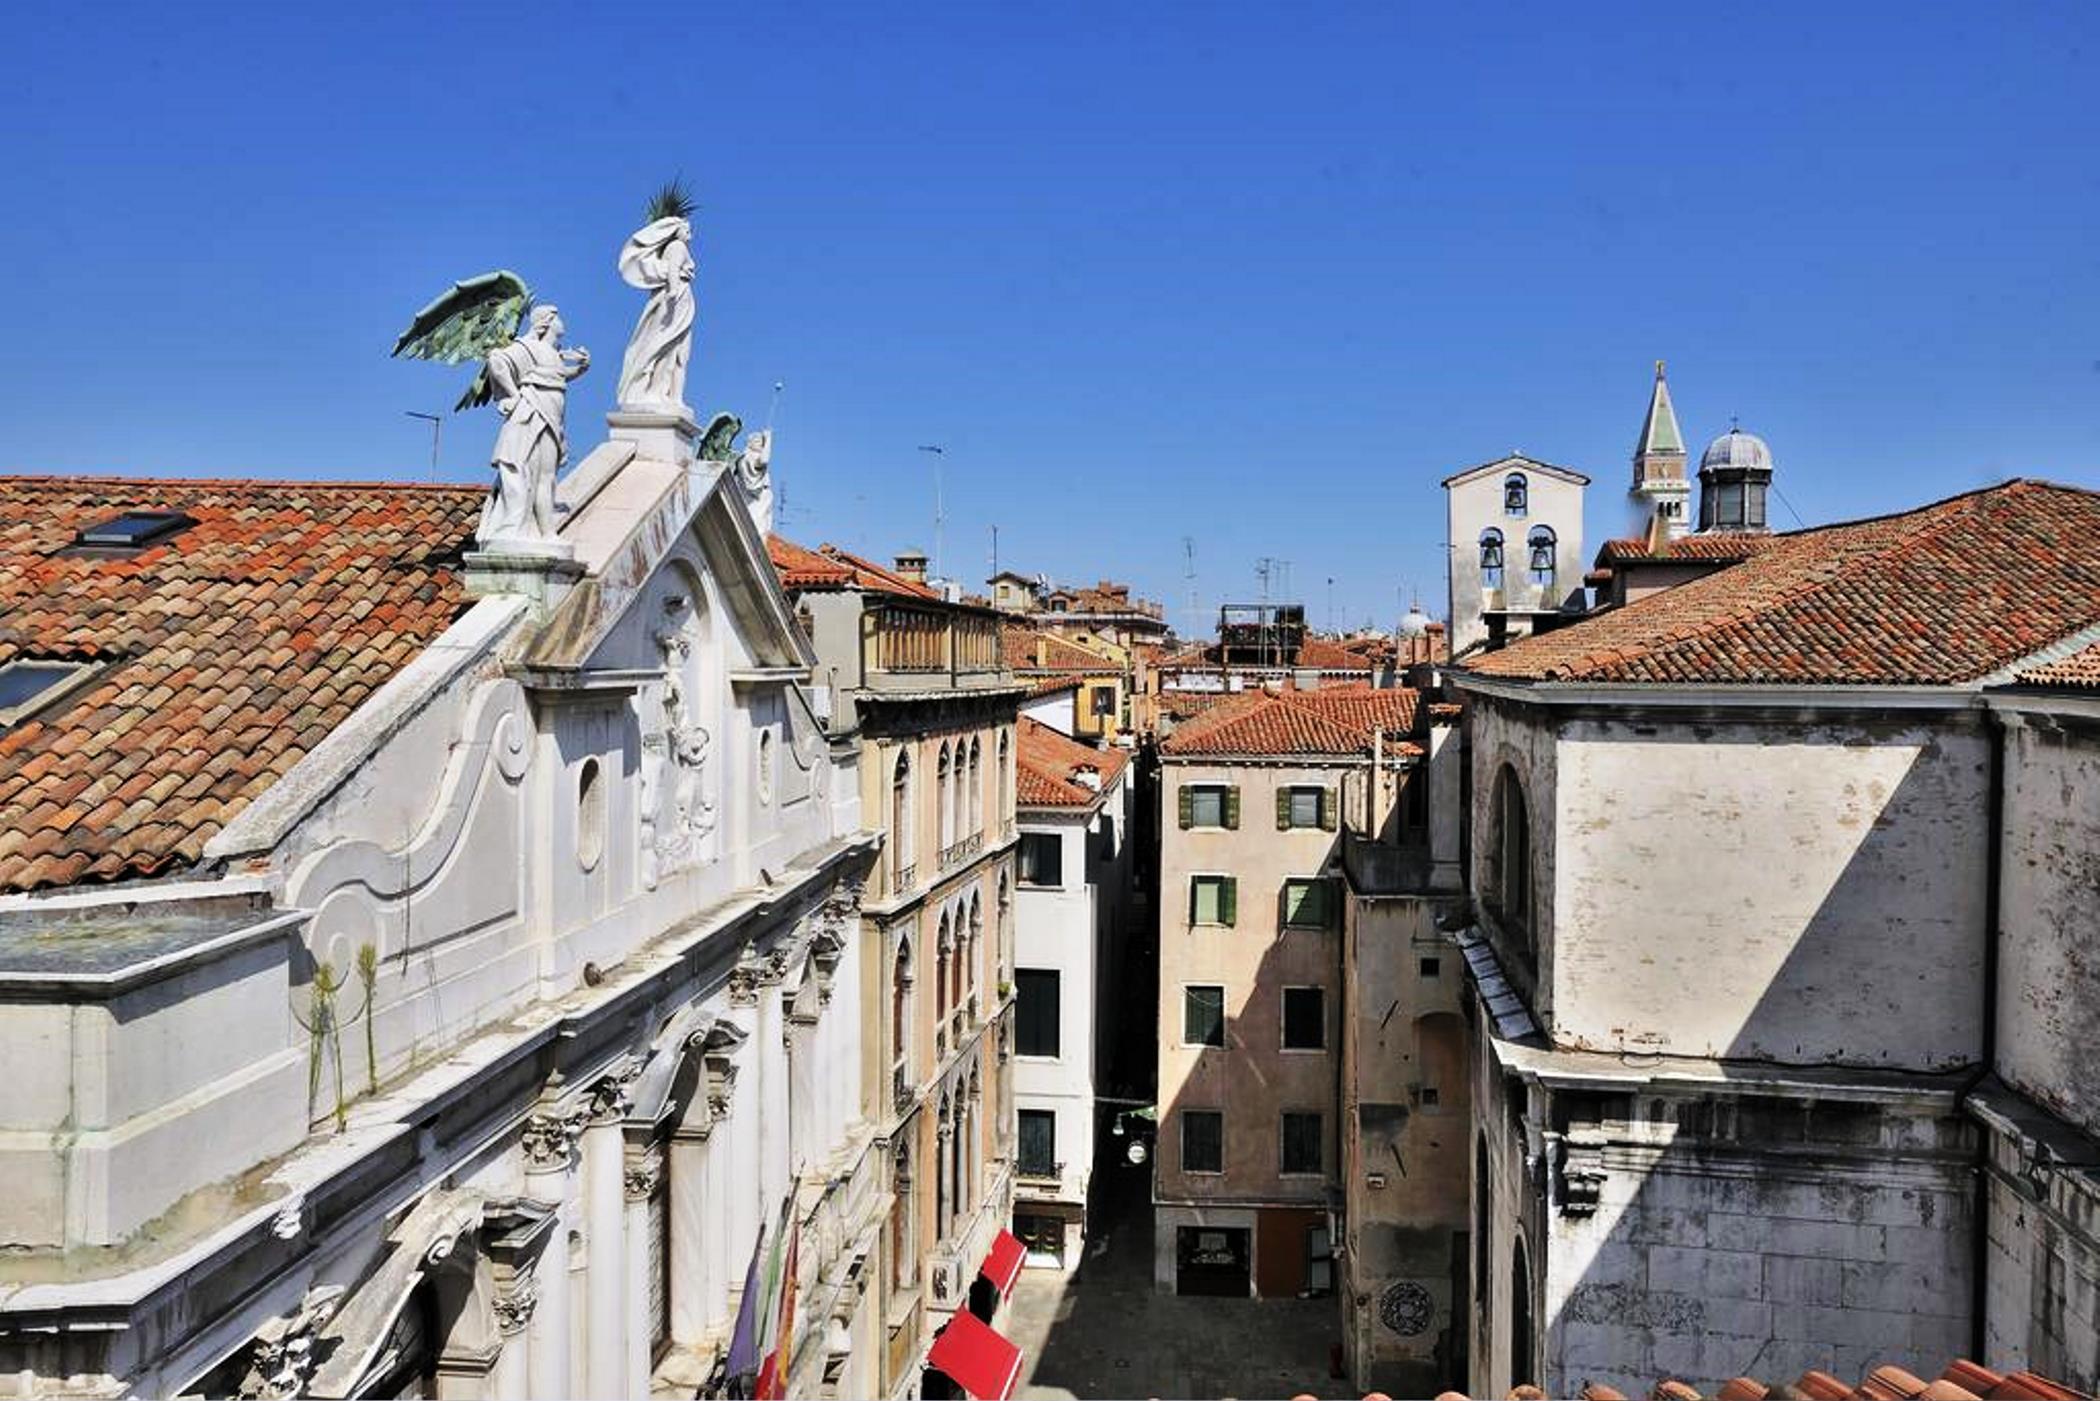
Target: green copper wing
[465,322]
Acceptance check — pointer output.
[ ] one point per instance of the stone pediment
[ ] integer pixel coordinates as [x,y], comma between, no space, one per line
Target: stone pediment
[632,514]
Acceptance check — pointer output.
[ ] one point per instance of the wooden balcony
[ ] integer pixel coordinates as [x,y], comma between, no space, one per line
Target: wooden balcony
[912,645]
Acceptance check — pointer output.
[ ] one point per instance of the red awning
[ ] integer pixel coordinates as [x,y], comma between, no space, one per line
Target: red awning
[976,1358]
[1002,1263]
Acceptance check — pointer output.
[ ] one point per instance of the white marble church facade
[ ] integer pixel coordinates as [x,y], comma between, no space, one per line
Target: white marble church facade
[607,867]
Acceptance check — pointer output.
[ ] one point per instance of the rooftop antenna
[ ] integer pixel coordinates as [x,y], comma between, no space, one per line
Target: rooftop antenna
[1330,604]
[1188,576]
[437,433]
[940,515]
[995,550]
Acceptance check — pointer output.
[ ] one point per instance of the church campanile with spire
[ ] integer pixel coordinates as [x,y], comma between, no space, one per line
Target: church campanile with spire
[1660,488]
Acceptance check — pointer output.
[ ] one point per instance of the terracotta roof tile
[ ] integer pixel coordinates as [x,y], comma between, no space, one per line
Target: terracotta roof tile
[1335,720]
[2080,671]
[1941,595]
[198,709]
[829,567]
[1721,546]
[1031,649]
[1046,761]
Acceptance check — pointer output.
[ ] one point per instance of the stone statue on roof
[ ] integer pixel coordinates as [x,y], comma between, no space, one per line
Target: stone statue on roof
[754,473]
[659,259]
[526,374]
[530,378]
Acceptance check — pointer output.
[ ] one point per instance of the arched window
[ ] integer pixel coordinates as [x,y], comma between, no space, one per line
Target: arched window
[1002,917]
[1491,558]
[900,1007]
[1512,874]
[941,954]
[1521,1370]
[943,797]
[1481,1246]
[1540,544]
[1516,494]
[1006,782]
[975,948]
[976,787]
[904,1257]
[900,819]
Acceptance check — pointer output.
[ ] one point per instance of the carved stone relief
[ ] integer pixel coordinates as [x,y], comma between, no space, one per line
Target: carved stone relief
[677,783]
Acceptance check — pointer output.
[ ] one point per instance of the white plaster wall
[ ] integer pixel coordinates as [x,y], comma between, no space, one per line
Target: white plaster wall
[2049,958]
[1058,710]
[1821,887]
[1522,738]
[1054,929]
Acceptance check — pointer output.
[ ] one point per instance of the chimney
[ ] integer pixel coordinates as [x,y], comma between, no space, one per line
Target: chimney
[911,566]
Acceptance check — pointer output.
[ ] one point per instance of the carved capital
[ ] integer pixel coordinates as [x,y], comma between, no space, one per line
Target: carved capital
[644,1171]
[1582,1174]
[514,1306]
[284,1358]
[613,1096]
[549,1141]
[744,978]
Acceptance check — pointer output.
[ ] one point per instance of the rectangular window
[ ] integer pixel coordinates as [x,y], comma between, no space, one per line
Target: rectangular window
[1304,1019]
[1042,858]
[1104,700]
[1202,1140]
[1431,967]
[1308,904]
[1302,1152]
[1210,805]
[1203,1015]
[1038,1147]
[1036,997]
[1299,807]
[1213,900]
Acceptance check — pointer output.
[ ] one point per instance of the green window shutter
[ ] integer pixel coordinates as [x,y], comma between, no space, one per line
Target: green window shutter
[1188,806]
[1229,901]
[1232,808]
[1283,809]
[1328,804]
[1192,899]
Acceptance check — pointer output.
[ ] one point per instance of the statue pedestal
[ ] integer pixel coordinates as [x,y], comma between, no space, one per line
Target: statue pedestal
[542,570]
[667,435]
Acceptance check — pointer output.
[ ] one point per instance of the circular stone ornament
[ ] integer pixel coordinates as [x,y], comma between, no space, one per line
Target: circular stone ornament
[1406,1308]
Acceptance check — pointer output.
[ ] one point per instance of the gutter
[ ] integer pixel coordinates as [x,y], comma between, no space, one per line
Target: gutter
[1993,883]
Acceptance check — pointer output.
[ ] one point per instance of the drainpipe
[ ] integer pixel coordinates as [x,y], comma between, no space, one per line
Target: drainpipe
[1979,1226]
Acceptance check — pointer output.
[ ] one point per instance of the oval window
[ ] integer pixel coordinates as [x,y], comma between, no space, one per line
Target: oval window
[590,815]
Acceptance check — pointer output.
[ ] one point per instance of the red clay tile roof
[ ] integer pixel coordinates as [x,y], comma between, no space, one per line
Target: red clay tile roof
[1721,546]
[1043,685]
[1961,1381]
[231,650]
[2079,671]
[1334,720]
[1186,705]
[1315,653]
[1031,649]
[829,567]
[1045,762]
[1941,595]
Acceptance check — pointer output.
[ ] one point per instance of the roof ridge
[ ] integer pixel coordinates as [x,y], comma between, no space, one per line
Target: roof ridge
[54,479]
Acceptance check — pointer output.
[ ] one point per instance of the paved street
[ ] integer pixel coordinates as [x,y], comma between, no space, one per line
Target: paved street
[1102,1331]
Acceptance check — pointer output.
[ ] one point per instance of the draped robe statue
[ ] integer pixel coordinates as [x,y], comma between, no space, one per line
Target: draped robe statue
[659,259]
[530,378]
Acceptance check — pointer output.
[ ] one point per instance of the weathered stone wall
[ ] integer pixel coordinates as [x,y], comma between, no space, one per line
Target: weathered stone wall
[1406,1107]
[1761,1237]
[1508,1219]
[2042,1267]
[1522,738]
[1820,888]
[2049,955]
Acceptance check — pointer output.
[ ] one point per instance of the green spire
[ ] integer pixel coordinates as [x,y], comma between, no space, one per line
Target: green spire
[1659,430]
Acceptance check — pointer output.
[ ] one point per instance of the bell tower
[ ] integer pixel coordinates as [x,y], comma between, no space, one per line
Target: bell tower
[1661,490]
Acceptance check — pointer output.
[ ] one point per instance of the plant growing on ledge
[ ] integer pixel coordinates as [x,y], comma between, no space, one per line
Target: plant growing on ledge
[671,201]
[368,974]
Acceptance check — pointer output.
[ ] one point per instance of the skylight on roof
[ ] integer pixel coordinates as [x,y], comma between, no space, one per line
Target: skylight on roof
[27,687]
[135,529]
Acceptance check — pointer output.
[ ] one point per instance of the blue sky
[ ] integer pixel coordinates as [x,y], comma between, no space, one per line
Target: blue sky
[1258,276]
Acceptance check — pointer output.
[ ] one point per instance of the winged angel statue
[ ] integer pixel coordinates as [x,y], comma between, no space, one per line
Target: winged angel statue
[526,373]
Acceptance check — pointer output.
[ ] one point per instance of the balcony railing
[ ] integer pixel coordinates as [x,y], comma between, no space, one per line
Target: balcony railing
[1041,1171]
[902,1092]
[959,852]
[906,877]
[929,640]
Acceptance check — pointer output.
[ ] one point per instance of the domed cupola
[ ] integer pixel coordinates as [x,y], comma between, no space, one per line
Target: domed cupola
[1734,473]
